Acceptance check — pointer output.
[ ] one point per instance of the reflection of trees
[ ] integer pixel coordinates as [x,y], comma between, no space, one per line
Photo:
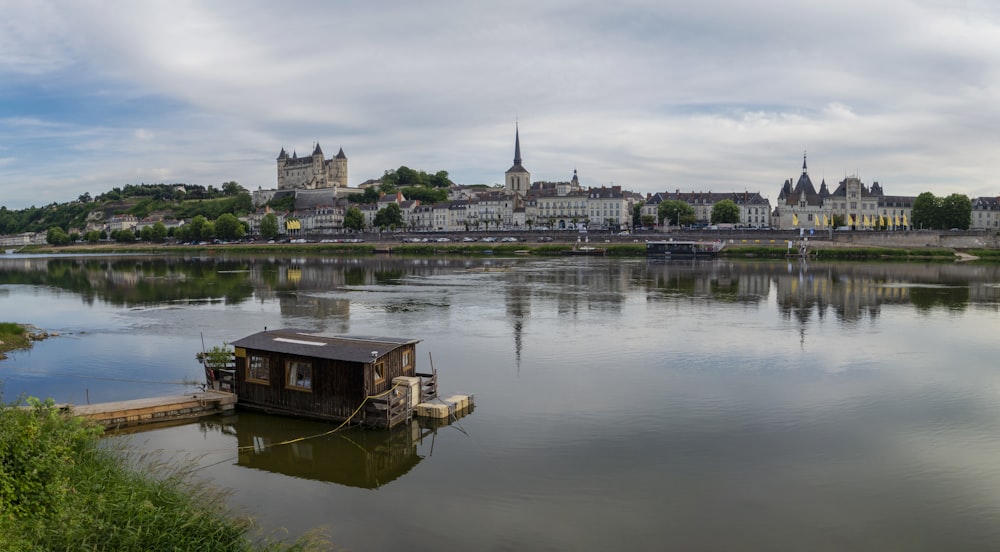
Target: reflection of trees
[132,281]
[950,297]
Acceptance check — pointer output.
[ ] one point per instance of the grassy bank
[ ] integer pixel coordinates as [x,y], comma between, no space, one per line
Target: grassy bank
[843,253]
[60,489]
[13,337]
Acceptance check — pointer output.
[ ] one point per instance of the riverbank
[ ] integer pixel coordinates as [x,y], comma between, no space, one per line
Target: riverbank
[62,489]
[19,337]
[818,249]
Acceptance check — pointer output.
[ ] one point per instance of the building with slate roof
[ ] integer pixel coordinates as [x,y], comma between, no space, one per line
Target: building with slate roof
[853,204]
[985,213]
[313,172]
[755,209]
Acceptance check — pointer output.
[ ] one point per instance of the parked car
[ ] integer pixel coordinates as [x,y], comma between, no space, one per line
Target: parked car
[489,239]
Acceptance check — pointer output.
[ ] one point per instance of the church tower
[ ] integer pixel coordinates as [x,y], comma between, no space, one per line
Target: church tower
[517,178]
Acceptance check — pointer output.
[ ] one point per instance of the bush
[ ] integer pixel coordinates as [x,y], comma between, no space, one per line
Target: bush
[61,488]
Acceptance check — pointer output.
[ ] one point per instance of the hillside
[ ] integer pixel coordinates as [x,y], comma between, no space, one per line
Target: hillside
[169,201]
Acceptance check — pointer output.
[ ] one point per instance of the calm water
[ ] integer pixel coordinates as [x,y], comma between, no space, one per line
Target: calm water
[619,403]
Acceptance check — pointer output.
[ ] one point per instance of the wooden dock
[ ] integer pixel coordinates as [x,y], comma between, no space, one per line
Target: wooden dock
[114,415]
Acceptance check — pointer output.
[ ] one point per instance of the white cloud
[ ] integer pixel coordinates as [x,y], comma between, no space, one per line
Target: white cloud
[650,95]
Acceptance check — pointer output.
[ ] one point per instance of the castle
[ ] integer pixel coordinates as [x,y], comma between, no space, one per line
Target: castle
[313,172]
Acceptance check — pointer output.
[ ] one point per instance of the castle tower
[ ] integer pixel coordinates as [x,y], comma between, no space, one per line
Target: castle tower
[340,169]
[517,178]
[282,159]
[318,169]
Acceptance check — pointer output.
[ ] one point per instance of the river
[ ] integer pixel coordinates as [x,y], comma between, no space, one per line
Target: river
[723,405]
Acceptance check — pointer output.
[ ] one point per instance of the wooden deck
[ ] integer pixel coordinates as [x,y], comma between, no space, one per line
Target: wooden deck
[113,415]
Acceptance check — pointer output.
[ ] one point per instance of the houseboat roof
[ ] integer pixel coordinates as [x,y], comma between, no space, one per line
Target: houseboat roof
[351,348]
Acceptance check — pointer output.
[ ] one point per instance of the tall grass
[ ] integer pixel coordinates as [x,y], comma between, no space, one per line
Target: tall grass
[61,490]
[13,337]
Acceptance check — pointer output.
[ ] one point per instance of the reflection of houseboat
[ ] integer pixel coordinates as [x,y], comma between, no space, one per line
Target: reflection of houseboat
[354,457]
[330,377]
[683,249]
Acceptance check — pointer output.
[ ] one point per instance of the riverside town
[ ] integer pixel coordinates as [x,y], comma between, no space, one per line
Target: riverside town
[312,201]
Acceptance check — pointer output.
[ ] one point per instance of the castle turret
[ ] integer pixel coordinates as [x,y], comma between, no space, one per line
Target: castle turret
[319,169]
[282,159]
[340,169]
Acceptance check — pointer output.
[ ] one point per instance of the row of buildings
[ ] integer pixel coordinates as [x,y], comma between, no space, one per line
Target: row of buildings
[320,191]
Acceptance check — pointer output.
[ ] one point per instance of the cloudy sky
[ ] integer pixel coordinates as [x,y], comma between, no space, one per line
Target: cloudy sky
[713,95]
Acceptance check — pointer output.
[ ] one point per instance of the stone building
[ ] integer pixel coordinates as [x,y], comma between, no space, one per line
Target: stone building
[852,204]
[313,172]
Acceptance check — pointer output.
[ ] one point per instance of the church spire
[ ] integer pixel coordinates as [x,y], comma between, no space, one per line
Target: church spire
[804,170]
[517,146]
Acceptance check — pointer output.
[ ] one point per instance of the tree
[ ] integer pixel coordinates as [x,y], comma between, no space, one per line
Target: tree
[637,214]
[56,236]
[674,212]
[440,180]
[269,226]
[159,232]
[285,204]
[207,231]
[93,236]
[228,227]
[354,219]
[232,188]
[725,212]
[648,220]
[956,212]
[124,236]
[196,228]
[925,211]
[390,216]
[146,234]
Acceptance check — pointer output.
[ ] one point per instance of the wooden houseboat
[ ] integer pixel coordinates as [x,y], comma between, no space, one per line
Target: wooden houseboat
[330,377]
[683,249]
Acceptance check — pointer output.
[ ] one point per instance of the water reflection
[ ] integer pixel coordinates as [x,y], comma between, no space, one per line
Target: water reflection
[353,457]
[309,286]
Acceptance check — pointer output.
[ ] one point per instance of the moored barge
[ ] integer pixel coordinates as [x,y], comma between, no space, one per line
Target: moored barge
[672,249]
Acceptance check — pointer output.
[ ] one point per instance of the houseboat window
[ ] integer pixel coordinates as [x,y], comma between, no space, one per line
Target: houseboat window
[379,371]
[299,374]
[258,369]
[406,359]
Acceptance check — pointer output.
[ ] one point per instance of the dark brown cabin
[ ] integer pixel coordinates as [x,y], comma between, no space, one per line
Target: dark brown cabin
[317,375]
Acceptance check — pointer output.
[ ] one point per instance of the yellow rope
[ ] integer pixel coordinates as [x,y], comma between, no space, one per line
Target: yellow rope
[332,431]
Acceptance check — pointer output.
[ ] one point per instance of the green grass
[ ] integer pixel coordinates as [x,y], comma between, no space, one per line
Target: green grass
[985,254]
[61,488]
[13,337]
